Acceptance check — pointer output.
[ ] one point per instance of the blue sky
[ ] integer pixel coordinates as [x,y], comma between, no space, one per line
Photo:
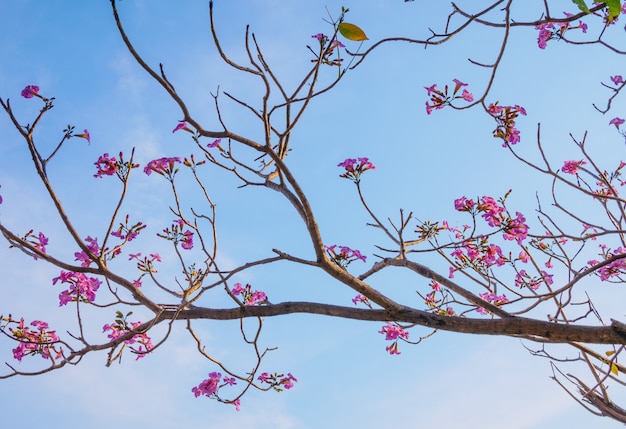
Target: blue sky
[73,52]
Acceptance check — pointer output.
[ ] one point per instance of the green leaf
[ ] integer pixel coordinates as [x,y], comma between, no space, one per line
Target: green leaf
[581,5]
[614,8]
[614,369]
[351,32]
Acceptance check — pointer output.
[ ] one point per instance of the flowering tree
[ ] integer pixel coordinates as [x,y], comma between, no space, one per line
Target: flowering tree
[502,275]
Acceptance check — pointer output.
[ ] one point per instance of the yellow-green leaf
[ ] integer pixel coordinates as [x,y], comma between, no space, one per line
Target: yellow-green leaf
[614,369]
[614,9]
[351,32]
[581,5]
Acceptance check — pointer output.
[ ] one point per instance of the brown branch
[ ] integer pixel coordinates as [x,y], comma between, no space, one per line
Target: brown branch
[531,329]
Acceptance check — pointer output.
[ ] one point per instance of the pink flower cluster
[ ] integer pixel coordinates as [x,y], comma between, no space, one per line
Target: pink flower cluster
[572,167]
[327,50]
[210,387]
[39,241]
[362,299]
[613,269]
[94,248]
[106,166]
[163,166]
[522,278]
[433,303]
[479,254]
[343,255]
[393,332]
[31,342]
[177,235]
[128,233]
[617,79]
[440,99]
[278,381]
[249,297]
[516,228]
[492,297]
[492,212]
[496,216]
[82,288]
[355,167]
[554,31]
[145,264]
[140,343]
[464,205]
[191,161]
[505,118]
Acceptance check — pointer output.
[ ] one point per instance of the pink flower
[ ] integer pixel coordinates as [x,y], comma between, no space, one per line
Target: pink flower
[237,404]
[523,256]
[547,278]
[182,125]
[288,381]
[463,205]
[571,167]
[30,90]
[467,96]
[237,289]
[84,135]
[360,298]
[42,243]
[617,79]
[432,89]
[187,242]
[545,34]
[457,85]
[393,348]
[617,122]
[215,143]
[451,272]
[264,378]
[321,37]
